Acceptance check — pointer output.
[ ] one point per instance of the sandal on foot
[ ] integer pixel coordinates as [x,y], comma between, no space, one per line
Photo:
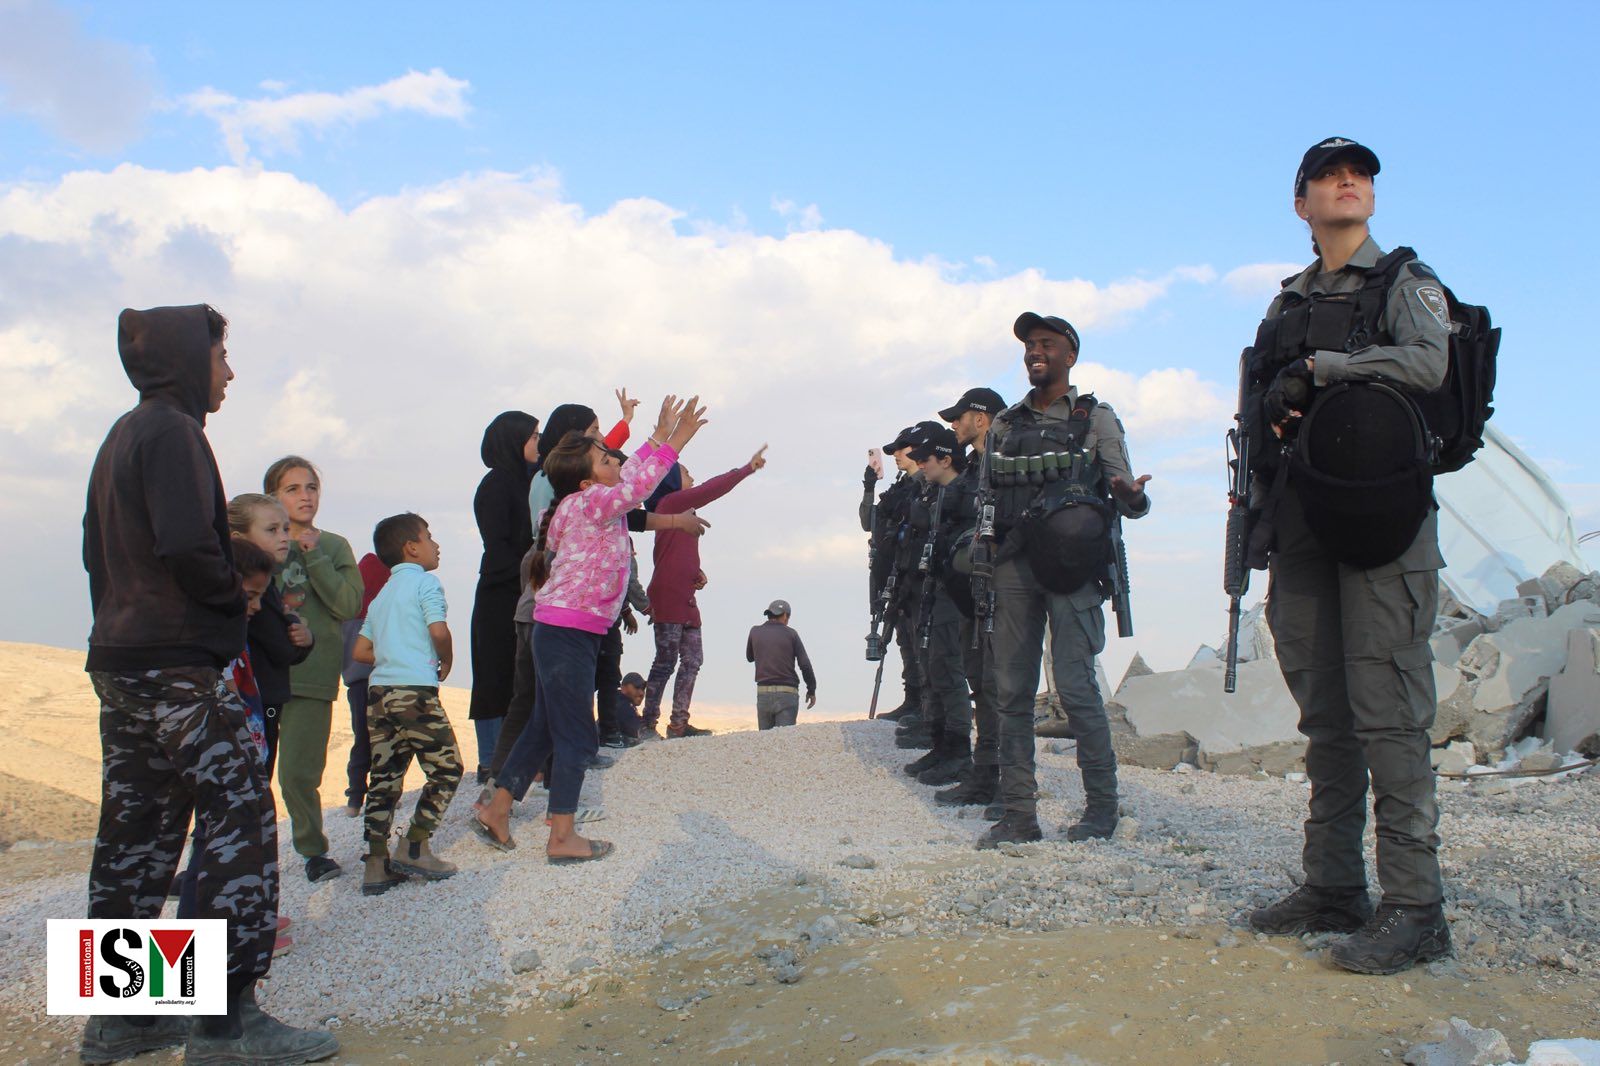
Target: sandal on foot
[598,849]
[486,835]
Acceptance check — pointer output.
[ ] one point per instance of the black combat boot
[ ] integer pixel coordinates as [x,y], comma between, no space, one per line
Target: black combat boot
[911,720]
[978,788]
[918,736]
[1395,938]
[1099,819]
[898,713]
[934,755]
[957,760]
[1012,828]
[1311,909]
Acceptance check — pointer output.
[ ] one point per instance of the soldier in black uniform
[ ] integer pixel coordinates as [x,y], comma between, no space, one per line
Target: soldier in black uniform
[950,500]
[884,522]
[970,418]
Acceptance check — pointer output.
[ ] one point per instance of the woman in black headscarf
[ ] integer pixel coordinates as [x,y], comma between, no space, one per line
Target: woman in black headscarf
[501,507]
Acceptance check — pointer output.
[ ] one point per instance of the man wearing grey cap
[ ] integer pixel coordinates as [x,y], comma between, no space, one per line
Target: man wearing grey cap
[1058,467]
[776,649]
[1352,634]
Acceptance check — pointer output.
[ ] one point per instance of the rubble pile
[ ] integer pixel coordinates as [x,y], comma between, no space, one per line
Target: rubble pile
[1528,669]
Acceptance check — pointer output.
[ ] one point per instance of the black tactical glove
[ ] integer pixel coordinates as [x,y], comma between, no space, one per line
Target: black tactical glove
[870,478]
[1289,391]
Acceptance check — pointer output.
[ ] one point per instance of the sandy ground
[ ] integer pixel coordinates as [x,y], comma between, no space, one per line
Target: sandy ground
[1078,995]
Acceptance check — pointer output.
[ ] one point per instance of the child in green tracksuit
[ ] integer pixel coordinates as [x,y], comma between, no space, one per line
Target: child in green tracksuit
[320,583]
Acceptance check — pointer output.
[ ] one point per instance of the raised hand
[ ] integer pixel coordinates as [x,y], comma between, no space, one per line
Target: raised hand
[627,405]
[759,459]
[690,418]
[666,419]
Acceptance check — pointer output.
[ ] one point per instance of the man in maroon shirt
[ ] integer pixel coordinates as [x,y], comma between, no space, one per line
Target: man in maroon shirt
[673,611]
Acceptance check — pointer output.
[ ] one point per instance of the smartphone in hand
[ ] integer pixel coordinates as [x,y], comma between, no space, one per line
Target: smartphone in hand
[875,460]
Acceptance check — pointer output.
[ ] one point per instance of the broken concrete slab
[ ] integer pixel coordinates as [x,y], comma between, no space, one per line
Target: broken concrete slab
[1137,667]
[1452,635]
[1161,752]
[1572,712]
[1557,583]
[1516,610]
[1192,701]
[1455,758]
[1458,1043]
[1275,760]
[1511,671]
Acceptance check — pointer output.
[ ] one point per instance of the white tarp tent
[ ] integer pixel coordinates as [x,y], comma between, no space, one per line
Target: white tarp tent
[1501,522]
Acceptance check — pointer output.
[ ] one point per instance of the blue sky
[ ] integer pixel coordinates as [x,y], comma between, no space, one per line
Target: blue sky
[823,215]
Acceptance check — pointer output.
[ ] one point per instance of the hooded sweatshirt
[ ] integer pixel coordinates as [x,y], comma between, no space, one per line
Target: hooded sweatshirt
[155,531]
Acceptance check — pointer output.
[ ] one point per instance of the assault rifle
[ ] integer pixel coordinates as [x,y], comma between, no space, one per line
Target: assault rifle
[983,549]
[1236,544]
[928,566]
[1121,601]
[877,681]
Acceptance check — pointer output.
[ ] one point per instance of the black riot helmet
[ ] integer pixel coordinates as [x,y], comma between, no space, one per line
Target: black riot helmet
[1361,469]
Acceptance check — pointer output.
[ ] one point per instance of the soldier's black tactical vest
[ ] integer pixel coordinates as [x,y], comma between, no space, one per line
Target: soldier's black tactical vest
[955,538]
[1360,459]
[1051,491]
[889,527]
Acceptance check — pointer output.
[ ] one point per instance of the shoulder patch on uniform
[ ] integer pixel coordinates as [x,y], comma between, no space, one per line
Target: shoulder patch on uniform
[1431,297]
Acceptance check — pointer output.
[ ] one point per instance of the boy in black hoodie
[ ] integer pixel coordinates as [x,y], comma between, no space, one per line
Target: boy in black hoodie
[169,614]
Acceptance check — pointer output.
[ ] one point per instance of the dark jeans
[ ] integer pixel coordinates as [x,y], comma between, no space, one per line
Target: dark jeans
[562,725]
[607,677]
[488,731]
[523,688]
[360,749]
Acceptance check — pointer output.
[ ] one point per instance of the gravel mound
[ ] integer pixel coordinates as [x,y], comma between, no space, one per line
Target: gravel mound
[705,822]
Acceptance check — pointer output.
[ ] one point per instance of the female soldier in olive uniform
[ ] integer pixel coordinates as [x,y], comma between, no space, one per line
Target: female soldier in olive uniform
[1352,641]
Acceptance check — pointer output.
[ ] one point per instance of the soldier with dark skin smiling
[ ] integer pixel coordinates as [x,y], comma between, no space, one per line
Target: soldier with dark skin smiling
[1048,572]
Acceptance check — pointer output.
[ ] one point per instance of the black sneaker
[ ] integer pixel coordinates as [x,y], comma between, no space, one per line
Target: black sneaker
[1309,909]
[620,740]
[687,731]
[320,868]
[601,762]
[1011,829]
[1395,938]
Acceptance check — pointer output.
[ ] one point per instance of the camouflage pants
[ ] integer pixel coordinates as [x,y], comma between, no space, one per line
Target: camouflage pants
[405,721]
[174,743]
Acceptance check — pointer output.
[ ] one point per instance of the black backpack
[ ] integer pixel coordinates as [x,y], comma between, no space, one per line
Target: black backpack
[1456,413]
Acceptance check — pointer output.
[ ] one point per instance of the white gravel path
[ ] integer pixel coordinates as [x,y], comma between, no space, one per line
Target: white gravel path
[709,820]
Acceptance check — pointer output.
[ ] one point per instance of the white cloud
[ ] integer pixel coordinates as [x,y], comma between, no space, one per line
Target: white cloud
[275,122]
[1259,281]
[381,339]
[95,93]
[798,218]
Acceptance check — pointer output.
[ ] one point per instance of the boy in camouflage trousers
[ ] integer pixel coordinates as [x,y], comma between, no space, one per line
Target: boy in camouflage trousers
[406,639]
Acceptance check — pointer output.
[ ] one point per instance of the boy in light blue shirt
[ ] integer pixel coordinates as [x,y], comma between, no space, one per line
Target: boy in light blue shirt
[407,641]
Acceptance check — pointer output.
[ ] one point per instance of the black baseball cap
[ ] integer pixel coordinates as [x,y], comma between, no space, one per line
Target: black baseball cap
[911,436]
[986,400]
[1056,324]
[634,678]
[1324,152]
[939,441]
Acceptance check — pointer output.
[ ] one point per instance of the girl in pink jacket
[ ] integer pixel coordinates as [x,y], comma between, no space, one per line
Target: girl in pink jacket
[580,570]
